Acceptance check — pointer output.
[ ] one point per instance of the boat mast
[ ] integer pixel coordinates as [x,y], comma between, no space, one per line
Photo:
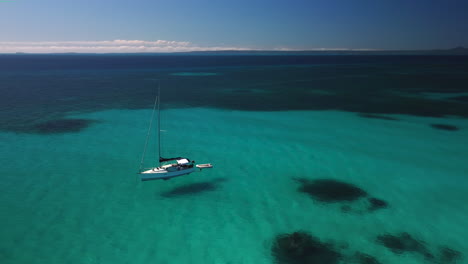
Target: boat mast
[156,102]
[159,126]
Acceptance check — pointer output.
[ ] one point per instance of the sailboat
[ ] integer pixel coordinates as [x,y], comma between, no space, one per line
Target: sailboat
[167,167]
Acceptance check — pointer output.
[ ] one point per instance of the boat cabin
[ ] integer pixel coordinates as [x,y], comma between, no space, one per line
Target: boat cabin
[180,164]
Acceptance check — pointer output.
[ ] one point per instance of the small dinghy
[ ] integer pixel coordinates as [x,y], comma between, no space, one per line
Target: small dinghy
[204,166]
[166,168]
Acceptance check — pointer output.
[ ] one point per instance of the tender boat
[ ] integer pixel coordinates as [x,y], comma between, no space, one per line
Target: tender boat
[204,166]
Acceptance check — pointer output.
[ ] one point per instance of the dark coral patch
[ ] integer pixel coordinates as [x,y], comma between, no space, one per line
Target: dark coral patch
[362,258]
[378,117]
[375,204]
[445,127]
[330,191]
[448,255]
[59,126]
[334,191]
[194,188]
[403,243]
[302,248]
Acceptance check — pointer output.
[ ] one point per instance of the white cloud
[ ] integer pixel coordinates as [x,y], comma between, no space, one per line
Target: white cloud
[125,46]
[112,46]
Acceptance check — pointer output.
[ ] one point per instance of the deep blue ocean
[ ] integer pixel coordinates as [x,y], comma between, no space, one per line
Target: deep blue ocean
[317,159]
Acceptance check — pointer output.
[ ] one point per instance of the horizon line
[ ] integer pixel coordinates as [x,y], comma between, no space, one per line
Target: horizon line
[119,46]
[460,48]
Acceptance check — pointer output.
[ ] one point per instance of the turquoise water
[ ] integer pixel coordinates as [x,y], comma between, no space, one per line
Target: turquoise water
[73,196]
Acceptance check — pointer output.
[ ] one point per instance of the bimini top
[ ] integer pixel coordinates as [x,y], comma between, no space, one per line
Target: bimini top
[183,161]
[161,159]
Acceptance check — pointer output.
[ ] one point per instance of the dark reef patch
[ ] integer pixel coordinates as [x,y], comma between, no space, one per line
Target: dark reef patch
[449,256]
[404,243]
[194,188]
[303,248]
[376,204]
[334,191]
[362,258]
[60,126]
[331,191]
[444,127]
[378,117]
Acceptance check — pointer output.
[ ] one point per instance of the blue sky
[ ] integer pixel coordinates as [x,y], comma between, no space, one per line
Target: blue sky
[38,25]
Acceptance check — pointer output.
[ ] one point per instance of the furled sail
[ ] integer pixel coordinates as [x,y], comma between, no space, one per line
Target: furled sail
[161,159]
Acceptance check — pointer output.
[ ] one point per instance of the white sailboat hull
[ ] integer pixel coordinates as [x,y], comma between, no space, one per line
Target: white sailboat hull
[163,174]
[182,166]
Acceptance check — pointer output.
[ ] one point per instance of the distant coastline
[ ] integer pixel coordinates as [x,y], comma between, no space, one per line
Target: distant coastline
[452,51]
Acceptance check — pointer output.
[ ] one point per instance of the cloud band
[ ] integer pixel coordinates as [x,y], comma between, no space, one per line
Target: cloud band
[112,46]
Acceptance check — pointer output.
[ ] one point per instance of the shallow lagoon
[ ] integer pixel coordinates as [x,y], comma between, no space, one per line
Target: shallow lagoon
[72,194]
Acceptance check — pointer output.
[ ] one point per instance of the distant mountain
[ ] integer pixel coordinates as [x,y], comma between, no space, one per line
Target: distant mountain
[460,50]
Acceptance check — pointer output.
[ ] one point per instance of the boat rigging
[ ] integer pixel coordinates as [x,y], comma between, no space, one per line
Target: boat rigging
[167,167]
